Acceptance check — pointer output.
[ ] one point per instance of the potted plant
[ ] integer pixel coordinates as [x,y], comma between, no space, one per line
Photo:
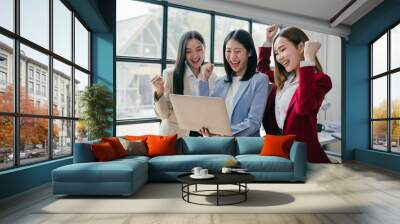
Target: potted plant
[96,103]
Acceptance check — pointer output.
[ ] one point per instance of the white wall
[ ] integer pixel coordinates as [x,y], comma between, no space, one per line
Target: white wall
[331,61]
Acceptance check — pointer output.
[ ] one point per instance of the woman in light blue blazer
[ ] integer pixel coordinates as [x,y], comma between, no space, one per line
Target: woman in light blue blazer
[245,91]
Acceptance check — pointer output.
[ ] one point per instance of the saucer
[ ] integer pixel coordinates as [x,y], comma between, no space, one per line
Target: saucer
[208,176]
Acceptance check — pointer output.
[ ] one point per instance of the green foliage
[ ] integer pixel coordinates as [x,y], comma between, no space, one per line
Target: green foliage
[96,102]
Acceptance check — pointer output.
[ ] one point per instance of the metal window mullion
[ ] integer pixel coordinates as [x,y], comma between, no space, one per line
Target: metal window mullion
[16,84]
[188,8]
[73,80]
[144,60]
[84,70]
[90,59]
[50,81]
[212,45]
[251,27]
[138,121]
[115,69]
[389,102]
[384,119]
[371,88]
[164,36]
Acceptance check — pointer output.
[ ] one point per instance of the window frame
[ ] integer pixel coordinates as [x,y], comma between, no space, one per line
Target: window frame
[16,115]
[388,74]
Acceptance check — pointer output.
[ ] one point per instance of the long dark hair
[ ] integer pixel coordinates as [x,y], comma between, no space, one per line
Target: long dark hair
[295,36]
[180,66]
[243,37]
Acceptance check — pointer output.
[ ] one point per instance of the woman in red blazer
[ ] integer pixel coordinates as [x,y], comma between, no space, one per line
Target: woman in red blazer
[299,88]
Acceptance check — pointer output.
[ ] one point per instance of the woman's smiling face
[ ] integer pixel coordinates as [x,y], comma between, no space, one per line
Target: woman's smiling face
[194,53]
[287,54]
[237,56]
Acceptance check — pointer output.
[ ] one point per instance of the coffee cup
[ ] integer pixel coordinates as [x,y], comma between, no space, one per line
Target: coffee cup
[203,172]
[196,170]
[226,170]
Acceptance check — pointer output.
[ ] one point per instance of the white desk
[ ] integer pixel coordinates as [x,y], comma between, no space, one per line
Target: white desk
[325,138]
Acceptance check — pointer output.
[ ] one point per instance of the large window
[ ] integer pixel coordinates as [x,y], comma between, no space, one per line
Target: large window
[139,32]
[135,96]
[62,43]
[181,21]
[7,74]
[38,124]
[7,14]
[223,26]
[81,45]
[34,22]
[147,42]
[385,95]
[259,33]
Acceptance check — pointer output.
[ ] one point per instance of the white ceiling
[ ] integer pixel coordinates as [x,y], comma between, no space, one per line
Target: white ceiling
[318,9]
[314,15]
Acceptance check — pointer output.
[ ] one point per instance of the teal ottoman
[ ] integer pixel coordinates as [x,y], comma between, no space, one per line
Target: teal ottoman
[118,177]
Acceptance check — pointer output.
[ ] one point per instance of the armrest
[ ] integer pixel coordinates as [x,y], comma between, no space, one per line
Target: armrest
[83,152]
[298,155]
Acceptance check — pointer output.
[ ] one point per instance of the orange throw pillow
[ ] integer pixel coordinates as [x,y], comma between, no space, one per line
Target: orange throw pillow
[161,145]
[116,145]
[103,152]
[277,145]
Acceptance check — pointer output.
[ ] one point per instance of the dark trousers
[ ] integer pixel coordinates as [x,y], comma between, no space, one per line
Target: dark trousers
[195,134]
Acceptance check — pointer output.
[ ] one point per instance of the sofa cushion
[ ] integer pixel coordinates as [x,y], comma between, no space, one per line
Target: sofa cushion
[185,163]
[249,145]
[277,145]
[116,145]
[161,145]
[112,171]
[103,152]
[132,157]
[136,137]
[201,145]
[257,163]
[134,147]
[83,152]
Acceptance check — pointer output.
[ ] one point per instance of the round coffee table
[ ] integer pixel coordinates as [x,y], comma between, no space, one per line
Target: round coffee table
[238,179]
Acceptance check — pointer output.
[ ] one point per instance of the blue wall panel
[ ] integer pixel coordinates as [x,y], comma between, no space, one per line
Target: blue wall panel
[24,178]
[103,61]
[380,159]
[356,91]
[357,100]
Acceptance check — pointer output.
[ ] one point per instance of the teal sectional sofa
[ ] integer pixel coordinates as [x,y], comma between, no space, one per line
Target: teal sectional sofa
[125,176]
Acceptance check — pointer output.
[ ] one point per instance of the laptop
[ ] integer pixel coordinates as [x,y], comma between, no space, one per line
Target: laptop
[195,112]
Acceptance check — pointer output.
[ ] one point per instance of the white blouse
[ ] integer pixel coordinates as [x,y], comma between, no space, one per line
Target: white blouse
[283,98]
[194,81]
[231,93]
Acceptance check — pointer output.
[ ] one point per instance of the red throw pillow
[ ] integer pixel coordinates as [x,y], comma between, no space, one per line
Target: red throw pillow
[277,145]
[161,145]
[103,152]
[116,145]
